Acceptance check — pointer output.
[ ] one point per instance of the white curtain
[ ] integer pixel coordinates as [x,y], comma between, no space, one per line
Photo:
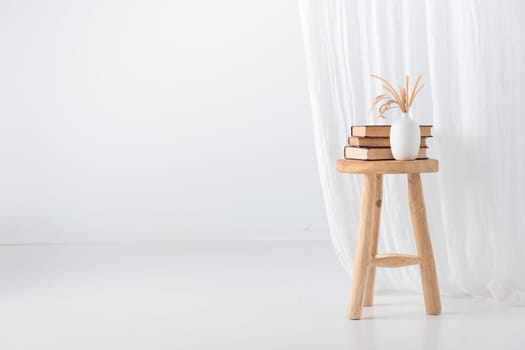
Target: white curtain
[471,55]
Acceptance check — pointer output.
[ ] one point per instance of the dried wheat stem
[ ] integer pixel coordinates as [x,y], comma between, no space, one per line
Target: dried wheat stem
[415,94]
[414,91]
[394,99]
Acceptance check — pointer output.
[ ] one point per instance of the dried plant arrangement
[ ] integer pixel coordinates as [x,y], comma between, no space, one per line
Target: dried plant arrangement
[401,99]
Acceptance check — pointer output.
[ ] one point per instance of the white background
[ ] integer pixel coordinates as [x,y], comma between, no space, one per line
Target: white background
[122,118]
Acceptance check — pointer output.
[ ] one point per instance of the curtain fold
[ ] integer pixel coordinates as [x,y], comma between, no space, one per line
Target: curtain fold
[471,55]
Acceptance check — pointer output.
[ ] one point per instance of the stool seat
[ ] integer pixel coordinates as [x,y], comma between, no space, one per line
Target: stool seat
[354,166]
[366,258]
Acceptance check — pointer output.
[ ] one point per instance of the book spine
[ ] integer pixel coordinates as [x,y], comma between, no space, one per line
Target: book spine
[384,131]
[377,142]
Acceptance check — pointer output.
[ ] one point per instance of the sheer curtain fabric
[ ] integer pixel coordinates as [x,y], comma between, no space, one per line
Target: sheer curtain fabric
[471,55]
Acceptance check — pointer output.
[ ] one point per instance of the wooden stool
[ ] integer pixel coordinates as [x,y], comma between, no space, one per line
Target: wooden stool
[366,258]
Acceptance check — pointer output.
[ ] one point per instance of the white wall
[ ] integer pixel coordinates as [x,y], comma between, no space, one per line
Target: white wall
[154,117]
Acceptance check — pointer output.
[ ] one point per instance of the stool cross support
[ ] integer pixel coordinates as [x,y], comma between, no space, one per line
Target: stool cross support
[366,258]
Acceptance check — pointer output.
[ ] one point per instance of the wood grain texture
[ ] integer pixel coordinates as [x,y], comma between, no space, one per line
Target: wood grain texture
[424,245]
[362,253]
[354,166]
[395,260]
[374,231]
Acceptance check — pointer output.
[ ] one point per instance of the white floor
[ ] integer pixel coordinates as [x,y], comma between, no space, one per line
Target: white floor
[221,295]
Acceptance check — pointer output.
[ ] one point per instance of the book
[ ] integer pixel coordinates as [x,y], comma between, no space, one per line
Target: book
[384,130]
[376,141]
[364,153]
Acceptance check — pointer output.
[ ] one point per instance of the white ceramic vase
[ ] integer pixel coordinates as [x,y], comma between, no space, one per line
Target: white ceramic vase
[405,138]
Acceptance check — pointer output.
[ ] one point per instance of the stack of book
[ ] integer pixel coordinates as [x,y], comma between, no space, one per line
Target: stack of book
[372,142]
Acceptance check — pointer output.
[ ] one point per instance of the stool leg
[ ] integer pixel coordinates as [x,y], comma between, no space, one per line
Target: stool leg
[374,230]
[424,245]
[363,254]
